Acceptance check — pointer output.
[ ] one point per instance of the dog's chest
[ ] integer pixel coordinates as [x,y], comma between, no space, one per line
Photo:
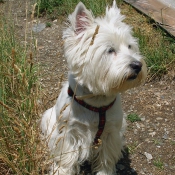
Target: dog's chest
[90,119]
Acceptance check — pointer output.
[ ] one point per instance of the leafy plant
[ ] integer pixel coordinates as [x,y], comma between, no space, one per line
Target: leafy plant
[48,5]
[133,117]
[132,147]
[48,24]
[158,163]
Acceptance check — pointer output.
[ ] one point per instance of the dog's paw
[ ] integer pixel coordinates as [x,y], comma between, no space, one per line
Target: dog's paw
[56,170]
[105,173]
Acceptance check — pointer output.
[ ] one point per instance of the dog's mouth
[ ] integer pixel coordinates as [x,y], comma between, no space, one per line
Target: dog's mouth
[132,76]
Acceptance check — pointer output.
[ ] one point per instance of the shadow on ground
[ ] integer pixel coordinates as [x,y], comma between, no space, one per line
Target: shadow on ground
[122,168]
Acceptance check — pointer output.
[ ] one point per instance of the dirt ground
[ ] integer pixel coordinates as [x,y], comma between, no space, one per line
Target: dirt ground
[150,143]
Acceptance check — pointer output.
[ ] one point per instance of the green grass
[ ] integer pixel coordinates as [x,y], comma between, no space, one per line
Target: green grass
[19,136]
[132,147]
[49,5]
[133,117]
[65,7]
[48,24]
[160,56]
[158,163]
[172,142]
[157,141]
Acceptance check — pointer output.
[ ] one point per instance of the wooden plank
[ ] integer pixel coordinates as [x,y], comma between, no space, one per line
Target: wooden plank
[162,14]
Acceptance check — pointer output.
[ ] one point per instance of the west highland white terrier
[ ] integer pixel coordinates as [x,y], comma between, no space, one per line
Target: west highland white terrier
[86,123]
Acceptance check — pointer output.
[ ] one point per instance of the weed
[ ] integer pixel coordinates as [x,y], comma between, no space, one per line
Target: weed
[48,24]
[172,142]
[133,117]
[132,147]
[48,5]
[157,141]
[158,163]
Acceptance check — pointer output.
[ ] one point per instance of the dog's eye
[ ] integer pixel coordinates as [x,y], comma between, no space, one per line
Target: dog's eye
[111,50]
[129,46]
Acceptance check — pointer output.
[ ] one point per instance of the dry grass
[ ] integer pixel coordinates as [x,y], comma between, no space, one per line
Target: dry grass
[21,151]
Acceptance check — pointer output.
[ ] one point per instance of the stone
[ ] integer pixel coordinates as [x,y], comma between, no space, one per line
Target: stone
[39,27]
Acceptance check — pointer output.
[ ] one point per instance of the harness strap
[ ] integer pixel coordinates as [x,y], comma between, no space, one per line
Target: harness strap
[101,110]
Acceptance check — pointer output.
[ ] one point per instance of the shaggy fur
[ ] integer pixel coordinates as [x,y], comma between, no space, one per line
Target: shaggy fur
[110,65]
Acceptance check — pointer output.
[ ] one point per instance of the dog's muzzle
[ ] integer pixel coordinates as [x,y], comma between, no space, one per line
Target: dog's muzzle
[136,67]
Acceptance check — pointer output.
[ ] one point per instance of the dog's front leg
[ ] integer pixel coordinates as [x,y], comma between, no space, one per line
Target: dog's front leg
[63,166]
[109,153]
[57,170]
[106,171]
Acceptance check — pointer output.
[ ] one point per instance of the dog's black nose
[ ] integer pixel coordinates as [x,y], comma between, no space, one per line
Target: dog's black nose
[136,66]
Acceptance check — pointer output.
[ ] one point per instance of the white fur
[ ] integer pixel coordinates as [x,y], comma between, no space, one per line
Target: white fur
[70,128]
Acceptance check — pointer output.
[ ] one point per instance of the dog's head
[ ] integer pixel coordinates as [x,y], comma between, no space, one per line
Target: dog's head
[102,53]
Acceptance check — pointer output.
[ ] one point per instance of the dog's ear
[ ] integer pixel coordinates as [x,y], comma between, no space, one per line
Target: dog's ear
[113,13]
[81,18]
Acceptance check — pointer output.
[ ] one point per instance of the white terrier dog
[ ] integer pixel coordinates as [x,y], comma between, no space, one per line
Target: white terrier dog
[87,122]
